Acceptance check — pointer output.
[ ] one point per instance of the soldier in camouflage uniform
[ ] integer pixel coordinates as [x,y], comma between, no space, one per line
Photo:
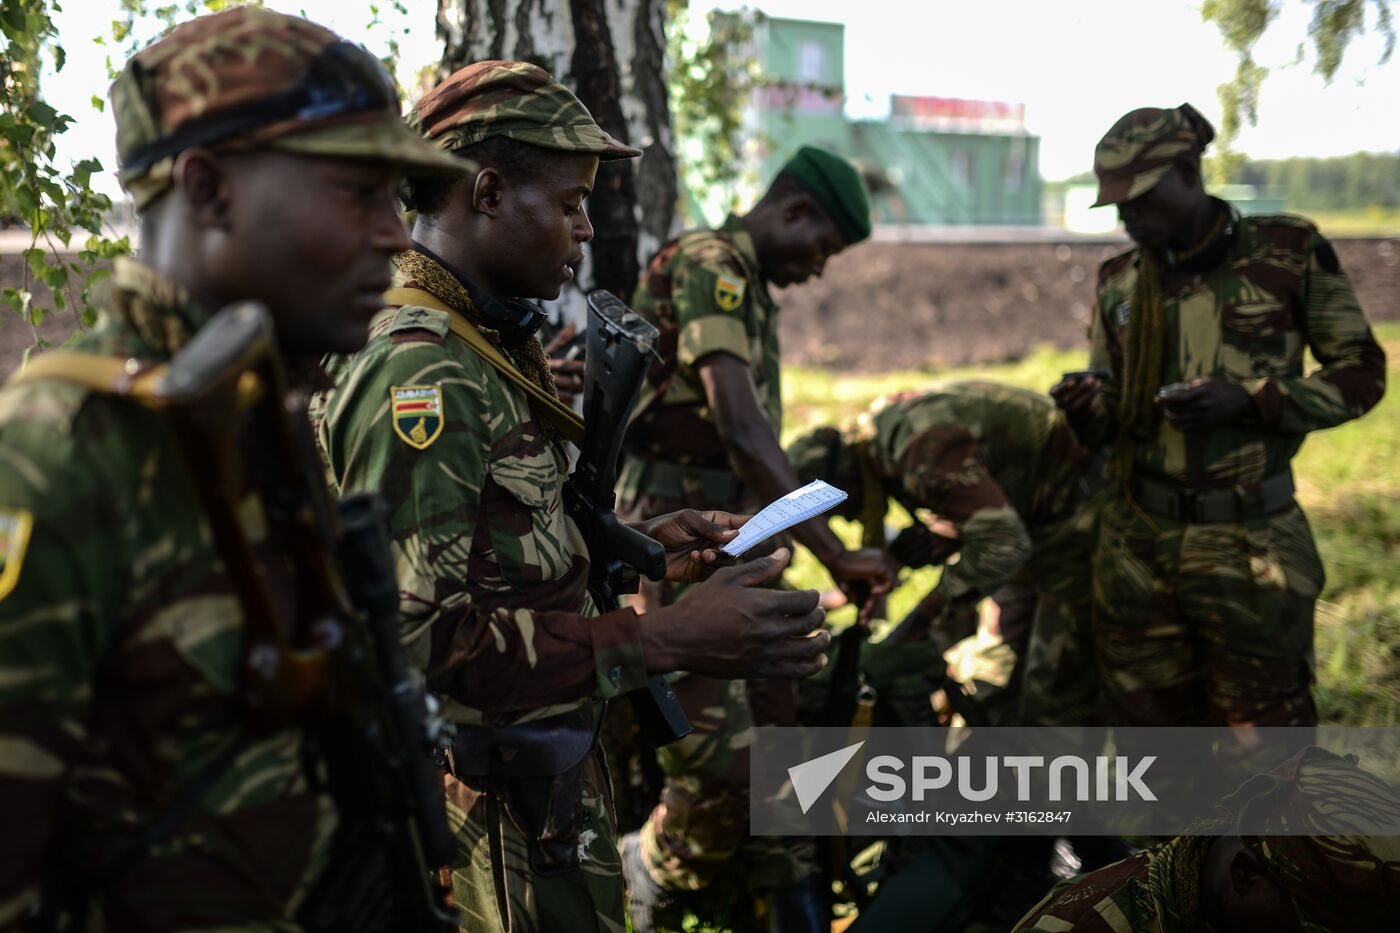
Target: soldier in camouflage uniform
[121,635]
[1321,883]
[1205,569]
[1001,465]
[706,437]
[450,413]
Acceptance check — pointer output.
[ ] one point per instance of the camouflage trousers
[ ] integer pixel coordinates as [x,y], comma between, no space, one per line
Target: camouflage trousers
[1031,659]
[1059,679]
[496,888]
[700,829]
[1206,624]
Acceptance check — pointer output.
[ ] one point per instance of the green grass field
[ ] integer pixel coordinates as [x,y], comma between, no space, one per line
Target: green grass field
[1375,221]
[1349,482]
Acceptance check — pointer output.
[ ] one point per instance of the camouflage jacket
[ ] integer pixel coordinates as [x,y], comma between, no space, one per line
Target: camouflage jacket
[1277,290]
[999,462]
[1136,895]
[706,294]
[493,573]
[120,650]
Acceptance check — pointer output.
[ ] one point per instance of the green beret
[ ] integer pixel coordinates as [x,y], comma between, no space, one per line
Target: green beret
[837,186]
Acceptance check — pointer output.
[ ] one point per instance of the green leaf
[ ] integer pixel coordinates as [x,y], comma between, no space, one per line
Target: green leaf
[55,277]
[60,57]
[25,203]
[13,298]
[37,260]
[98,104]
[21,134]
[82,174]
[41,113]
[13,15]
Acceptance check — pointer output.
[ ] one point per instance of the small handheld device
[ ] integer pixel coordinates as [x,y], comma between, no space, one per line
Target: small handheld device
[1099,374]
[1172,390]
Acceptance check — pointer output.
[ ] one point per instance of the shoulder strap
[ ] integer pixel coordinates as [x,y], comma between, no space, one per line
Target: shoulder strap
[108,375]
[556,412]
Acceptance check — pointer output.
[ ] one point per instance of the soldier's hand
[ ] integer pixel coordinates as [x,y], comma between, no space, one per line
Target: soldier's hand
[1078,395]
[920,546]
[568,373]
[727,627]
[568,378]
[692,540]
[871,566]
[1205,401]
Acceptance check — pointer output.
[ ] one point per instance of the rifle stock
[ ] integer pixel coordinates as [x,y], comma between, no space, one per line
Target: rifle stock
[619,344]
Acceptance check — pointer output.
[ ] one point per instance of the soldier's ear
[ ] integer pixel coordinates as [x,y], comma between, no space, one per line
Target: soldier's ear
[797,208]
[486,192]
[1190,170]
[204,182]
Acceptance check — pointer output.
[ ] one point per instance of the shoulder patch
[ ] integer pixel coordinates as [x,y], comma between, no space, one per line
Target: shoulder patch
[416,414]
[15,527]
[412,317]
[729,291]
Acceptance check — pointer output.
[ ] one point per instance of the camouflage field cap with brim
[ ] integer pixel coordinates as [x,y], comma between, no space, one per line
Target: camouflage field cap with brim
[1345,875]
[249,78]
[1134,155]
[516,100]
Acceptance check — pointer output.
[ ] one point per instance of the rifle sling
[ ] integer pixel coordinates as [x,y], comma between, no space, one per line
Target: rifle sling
[107,375]
[547,406]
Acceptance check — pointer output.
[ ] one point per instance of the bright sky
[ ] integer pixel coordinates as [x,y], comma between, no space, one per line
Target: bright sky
[1076,66]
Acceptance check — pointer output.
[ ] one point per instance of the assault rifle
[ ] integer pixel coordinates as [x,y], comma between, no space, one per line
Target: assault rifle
[619,347]
[320,604]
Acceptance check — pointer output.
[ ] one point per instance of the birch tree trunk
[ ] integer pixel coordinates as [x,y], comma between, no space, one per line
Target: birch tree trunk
[611,54]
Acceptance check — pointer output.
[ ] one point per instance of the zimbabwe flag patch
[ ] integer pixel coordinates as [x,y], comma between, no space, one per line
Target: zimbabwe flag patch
[417,414]
[15,526]
[729,292]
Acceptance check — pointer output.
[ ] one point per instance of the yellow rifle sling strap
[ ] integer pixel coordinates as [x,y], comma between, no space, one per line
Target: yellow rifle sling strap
[108,375]
[550,408]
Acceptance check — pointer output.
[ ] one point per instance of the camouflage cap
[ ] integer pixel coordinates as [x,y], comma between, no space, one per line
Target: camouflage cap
[1338,879]
[250,78]
[516,100]
[1140,148]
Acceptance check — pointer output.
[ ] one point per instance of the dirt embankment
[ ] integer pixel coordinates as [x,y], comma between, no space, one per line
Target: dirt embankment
[887,306]
[884,306]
